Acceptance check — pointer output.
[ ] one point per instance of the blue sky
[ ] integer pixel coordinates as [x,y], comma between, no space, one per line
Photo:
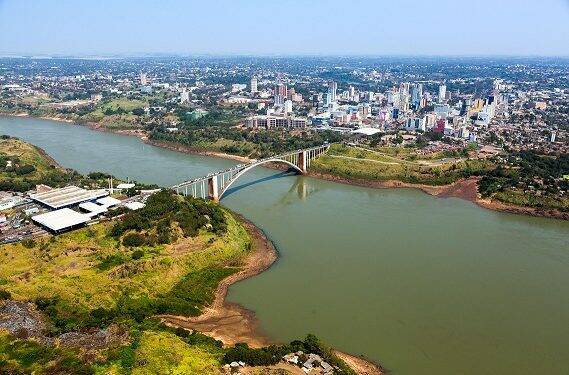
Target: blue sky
[321,27]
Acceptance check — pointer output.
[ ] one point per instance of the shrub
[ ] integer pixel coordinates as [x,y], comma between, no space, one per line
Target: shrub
[137,254]
[30,243]
[25,169]
[133,240]
[4,294]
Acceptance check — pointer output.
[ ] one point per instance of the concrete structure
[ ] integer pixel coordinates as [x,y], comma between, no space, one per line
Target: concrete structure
[333,90]
[254,87]
[67,196]
[8,201]
[61,220]
[276,122]
[215,185]
[442,93]
[134,205]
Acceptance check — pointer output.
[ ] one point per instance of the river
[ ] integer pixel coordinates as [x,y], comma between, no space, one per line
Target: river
[421,284]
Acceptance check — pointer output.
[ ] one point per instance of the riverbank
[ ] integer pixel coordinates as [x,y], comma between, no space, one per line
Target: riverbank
[196,151]
[228,322]
[232,323]
[465,189]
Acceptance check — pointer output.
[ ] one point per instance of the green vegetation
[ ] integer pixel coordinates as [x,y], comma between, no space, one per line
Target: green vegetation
[164,352]
[118,113]
[354,163]
[29,357]
[23,166]
[123,273]
[529,180]
[273,354]
[95,276]
[216,131]
[90,279]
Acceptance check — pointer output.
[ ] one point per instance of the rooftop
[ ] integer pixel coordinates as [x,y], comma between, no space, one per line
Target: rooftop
[61,219]
[67,196]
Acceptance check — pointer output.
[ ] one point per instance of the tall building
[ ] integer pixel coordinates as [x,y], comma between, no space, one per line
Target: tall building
[416,95]
[184,96]
[327,99]
[254,88]
[143,79]
[352,92]
[288,106]
[404,89]
[281,89]
[290,94]
[280,94]
[442,93]
[333,90]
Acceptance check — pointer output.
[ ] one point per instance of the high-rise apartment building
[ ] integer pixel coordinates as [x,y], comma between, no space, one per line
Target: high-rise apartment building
[442,93]
[333,90]
[254,87]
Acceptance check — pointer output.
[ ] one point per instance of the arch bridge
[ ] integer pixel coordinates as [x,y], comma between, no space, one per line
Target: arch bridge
[215,185]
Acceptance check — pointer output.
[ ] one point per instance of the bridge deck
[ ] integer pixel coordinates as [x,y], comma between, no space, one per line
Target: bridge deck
[239,167]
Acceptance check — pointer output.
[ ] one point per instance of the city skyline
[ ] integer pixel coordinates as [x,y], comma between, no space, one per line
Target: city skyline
[364,28]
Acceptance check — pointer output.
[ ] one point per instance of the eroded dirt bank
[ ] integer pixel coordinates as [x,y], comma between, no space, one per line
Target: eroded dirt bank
[231,323]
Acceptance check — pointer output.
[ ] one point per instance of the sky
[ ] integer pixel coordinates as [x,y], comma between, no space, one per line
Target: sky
[285,27]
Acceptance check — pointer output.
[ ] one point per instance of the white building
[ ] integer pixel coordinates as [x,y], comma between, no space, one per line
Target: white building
[254,83]
[288,106]
[332,90]
[442,93]
[184,96]
[415,124]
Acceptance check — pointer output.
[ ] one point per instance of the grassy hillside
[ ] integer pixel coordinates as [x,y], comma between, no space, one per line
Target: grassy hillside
[97,275]
[350,162]
[23,165]
[166,258]
[114,277]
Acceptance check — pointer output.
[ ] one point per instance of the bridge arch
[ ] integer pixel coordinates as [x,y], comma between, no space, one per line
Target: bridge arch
[248,168]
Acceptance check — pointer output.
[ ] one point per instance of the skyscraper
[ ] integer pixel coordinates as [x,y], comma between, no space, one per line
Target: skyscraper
[281,89]
[442,93]
[332,90]
[143,79]
[416,95]
[280,94]
[254,85]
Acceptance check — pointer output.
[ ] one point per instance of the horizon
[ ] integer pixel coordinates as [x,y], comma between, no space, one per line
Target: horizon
[238,55]
[363,28]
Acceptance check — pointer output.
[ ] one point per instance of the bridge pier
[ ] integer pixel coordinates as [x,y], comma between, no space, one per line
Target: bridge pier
[302,161]
[213,189]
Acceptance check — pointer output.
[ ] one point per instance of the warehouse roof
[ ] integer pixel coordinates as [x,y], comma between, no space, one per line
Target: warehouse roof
[67,196]
[61,219]
[134,205]
[108,201]
[93,208]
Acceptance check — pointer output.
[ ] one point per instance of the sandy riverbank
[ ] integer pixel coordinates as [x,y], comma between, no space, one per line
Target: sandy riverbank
[231,323]
[228,322]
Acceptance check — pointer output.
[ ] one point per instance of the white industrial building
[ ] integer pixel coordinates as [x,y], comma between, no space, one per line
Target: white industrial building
[67,196]
[61,220]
